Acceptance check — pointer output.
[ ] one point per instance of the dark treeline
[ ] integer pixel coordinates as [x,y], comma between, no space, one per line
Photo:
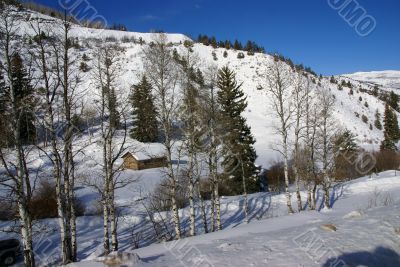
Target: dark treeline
[298,67]
[250,46]
[52,12]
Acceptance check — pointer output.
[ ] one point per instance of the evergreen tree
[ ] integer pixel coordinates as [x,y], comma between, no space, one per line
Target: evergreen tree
[24,95]
[394,101]
[145,127]
[377,123]
[228,44]
[114,114]
[391,129]
[238,150]
[249,46]
[213,42]
[375,91]
[199,77]
[237,45]
[346,151]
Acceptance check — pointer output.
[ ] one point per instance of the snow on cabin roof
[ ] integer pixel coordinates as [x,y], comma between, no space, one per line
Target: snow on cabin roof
[147,151]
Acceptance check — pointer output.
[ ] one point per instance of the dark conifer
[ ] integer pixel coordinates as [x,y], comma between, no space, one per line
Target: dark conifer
[145,126]
[394,101]
[23,95]
[238,150]
[391,129]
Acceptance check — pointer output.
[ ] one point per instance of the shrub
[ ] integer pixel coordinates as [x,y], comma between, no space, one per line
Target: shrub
[364,118]
[366,104]
[44,202]
[275,177]
[85,57]
[386,160]
[188,43]
[225,54]
[8,210]
[127,39]
[214,55]
[84,67]
[240,55]
[160,199]
[111,39]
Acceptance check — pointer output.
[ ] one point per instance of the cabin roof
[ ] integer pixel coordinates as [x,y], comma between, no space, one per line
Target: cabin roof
[150,151]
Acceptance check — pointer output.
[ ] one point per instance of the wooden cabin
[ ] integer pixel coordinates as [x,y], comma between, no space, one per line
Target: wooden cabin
[134,162]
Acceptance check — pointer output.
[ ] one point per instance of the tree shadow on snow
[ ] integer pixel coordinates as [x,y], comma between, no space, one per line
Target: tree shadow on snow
[258,207]
[381,256]
[336,193]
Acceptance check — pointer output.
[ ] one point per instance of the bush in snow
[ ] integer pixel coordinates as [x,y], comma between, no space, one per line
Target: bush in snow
[364,118]
[44,202]
[240,55]
[386,160]
[84,67]
[214,55]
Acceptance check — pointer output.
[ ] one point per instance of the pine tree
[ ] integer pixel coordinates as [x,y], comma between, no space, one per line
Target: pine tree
[114,114]
[145,127]
[391,129]
[24,95]
[213,42]
[346,151]
[394,101]
[377,123]
[249,46]
[237,45]
[238,150]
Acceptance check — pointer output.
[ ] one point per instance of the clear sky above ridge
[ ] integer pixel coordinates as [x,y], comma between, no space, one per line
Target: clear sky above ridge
[308,31]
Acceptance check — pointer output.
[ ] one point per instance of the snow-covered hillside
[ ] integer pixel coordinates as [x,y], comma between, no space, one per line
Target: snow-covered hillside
[250,70]
[388,80]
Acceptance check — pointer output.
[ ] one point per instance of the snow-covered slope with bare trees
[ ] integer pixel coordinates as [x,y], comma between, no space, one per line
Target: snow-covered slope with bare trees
[354,108]
[250,70]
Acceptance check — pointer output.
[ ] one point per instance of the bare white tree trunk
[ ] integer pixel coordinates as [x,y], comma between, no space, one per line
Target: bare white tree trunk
[279,84]
[245,205]
[161,71]
[218,206]
[51,85]
[211,112]
[108,71]
[326,133]
[106,221]
[22,189]
[300,95]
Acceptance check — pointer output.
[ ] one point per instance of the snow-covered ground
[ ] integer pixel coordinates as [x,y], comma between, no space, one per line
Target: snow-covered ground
[366,214]
[365,217]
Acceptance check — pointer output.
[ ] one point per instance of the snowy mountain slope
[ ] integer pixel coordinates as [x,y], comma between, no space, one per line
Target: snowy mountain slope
[250,70]
[389,80]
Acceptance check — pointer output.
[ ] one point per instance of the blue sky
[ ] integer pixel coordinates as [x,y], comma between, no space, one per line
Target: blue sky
[308,31]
